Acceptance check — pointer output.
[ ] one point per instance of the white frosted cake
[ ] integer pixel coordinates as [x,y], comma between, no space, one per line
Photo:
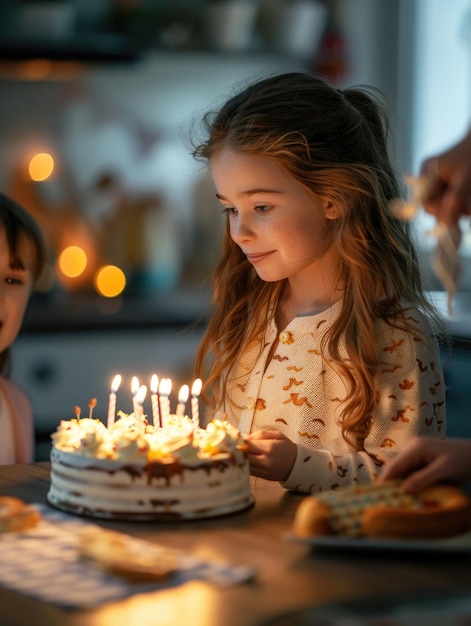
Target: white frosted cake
[132,471]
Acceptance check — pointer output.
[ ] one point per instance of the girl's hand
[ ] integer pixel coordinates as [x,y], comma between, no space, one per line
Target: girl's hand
[271,454]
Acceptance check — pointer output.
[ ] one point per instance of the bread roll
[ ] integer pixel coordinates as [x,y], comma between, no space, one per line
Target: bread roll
[16,515]
[134,559]
[384,511]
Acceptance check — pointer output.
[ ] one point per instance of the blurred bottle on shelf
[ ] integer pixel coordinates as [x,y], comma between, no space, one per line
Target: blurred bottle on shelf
[331,60]
[230,24]
[293,27]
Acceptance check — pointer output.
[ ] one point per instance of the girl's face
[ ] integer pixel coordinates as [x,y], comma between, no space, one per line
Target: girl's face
[16,284]
[280,227]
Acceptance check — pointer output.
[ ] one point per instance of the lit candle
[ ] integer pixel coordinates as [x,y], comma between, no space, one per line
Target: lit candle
[112,401]
[182,399]
[134,390]
[140,397]
[77,411]
[154,388]
[165,387]
[195,409]
[91,406]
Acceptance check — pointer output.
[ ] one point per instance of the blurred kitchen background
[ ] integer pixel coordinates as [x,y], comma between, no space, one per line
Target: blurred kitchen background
[96,100]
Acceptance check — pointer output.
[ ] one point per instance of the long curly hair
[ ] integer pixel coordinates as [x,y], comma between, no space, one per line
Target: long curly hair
[19,226]
[334,143]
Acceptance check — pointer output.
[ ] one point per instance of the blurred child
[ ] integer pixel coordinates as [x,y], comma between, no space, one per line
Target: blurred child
[321,348]
[22,258]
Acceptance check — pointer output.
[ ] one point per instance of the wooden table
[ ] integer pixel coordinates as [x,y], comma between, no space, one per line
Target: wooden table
[290,575]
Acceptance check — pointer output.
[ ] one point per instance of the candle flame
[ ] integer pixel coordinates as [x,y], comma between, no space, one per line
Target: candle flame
[154,383]
[77,411]
[196,387]
[183,394]
[165,386]
[116,383]
[141,394]
[134,385]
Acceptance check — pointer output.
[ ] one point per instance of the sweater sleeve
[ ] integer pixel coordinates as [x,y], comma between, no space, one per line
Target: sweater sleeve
[410,401]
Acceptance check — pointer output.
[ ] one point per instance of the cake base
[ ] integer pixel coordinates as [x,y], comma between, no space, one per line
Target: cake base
[152,517]
[109,489]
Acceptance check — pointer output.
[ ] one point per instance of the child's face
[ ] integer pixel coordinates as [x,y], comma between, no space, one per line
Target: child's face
[276,222]
[16,284]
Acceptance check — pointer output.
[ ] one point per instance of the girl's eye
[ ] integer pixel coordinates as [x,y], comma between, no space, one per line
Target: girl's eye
[262,208]
[13,281]
[229,210]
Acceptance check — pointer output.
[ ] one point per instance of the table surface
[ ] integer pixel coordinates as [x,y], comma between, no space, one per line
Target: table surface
[290,576]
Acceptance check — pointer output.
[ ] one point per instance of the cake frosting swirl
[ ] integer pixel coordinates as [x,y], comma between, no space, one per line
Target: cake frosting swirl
[134,470]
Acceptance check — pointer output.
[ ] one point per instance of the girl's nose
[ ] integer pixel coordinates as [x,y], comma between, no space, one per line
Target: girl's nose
[241,230]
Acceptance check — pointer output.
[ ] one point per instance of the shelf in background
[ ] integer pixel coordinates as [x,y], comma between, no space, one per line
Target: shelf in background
[176,308]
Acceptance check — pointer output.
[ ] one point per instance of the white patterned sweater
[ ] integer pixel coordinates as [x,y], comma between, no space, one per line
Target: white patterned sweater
[300,395]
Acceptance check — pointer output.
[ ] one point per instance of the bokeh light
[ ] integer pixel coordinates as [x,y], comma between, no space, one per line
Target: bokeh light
[110,281]
[41,166]
[72,261]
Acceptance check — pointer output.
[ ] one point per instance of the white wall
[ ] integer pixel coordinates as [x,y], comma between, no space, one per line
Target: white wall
[441,97]
[435,67]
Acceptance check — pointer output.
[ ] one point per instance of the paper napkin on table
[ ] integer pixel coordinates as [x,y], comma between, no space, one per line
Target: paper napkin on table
[43,562]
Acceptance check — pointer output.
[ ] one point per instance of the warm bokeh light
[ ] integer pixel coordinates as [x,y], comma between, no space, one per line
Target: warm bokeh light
[110,281]
[41,166]
[36,69]
[42,69]
[72,261]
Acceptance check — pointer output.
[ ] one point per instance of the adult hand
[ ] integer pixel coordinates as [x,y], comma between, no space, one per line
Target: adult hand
[426,461]
[450,195]
[271,454]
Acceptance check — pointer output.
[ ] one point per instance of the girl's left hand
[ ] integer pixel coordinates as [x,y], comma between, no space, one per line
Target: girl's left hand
[271,454]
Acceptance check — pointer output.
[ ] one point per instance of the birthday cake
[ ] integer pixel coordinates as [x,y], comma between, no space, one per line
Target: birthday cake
[132,470]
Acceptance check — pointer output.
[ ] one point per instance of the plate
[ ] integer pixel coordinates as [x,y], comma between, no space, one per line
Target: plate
[461,544]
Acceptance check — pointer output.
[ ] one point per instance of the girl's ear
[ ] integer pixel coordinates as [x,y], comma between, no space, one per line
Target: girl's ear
[331,209]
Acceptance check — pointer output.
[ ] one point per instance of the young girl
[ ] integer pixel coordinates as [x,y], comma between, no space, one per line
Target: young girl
[22,258]
[320,346]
